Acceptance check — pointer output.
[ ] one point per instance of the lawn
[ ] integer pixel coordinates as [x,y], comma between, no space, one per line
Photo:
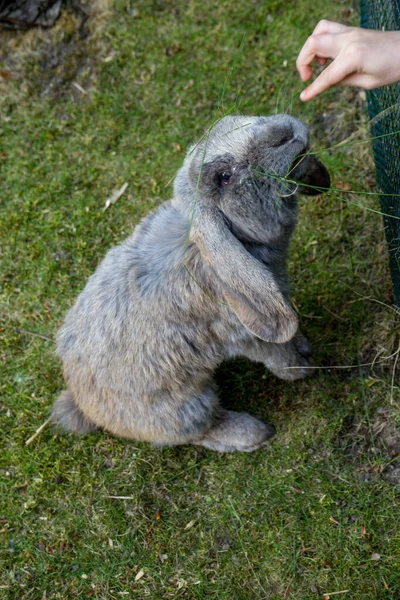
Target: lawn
[86,107]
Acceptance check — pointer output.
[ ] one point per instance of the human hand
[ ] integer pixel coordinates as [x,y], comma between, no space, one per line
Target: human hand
[360,57]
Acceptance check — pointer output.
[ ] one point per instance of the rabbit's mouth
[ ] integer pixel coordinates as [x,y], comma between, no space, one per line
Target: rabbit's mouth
[298,168]
[308,170]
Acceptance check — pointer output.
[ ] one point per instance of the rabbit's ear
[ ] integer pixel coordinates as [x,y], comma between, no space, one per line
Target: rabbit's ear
[316,178]
[249,287]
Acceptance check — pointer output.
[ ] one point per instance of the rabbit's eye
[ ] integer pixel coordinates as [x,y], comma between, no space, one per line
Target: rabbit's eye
[224,177]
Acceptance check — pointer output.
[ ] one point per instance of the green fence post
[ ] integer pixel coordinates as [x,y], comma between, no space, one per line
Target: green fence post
[384,113]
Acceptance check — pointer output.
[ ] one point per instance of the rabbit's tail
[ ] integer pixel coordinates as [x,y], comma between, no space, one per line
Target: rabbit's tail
[67,414]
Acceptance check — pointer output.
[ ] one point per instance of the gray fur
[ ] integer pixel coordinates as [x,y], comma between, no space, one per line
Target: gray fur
[201,279]
[69,416]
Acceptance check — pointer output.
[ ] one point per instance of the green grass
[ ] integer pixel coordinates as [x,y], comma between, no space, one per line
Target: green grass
[307,515]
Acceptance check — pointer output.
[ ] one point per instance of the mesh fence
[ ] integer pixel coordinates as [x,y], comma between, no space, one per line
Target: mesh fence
[384,112]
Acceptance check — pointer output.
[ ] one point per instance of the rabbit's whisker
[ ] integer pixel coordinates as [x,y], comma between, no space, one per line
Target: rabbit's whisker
[322,189]
[345,143]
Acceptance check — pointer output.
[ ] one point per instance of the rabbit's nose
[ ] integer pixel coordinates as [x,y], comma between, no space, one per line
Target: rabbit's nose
[278,135]
[300,132]
[278,130]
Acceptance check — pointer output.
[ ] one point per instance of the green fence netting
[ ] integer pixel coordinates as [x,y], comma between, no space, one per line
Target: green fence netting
[384,113]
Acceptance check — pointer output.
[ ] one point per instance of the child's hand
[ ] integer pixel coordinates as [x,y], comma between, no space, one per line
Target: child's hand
[360,57]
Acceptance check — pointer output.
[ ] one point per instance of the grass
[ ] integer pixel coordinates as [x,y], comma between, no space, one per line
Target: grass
[104,518]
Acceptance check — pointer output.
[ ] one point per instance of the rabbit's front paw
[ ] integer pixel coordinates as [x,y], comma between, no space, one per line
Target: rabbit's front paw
[292,363]
[302,345]
[295,371]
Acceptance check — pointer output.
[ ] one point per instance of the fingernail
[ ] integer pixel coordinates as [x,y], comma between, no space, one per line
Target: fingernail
[303,95]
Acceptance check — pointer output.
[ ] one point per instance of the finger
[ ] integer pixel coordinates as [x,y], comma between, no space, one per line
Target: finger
[361,80]
[317,46]
[332,75]
[307,71]
[326,26]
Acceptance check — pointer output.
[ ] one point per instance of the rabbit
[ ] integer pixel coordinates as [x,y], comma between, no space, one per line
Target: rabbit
[202,279]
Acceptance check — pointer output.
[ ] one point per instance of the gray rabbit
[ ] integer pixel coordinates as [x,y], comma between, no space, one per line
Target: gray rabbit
[202,279]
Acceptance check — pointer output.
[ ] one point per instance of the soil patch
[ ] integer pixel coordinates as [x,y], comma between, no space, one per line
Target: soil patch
[50,62]
[379,438]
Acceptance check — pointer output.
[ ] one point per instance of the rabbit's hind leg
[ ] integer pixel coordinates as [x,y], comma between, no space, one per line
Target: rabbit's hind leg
[167,423]
[233,431]
[201,421]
